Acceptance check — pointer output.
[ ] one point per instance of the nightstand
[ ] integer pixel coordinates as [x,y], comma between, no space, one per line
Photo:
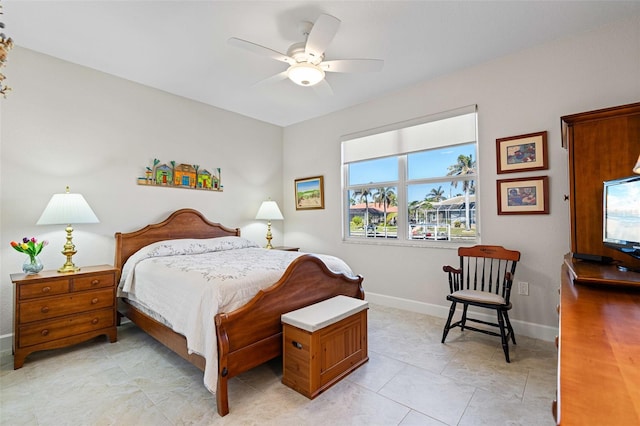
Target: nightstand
[54,310]
[284,248]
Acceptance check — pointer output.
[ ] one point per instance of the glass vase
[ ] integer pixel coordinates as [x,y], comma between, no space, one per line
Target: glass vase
[32,265]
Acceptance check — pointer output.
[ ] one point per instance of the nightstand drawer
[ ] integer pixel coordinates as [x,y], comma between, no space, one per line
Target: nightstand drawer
[46,288]
[52,307]
[96,281]
[47,331]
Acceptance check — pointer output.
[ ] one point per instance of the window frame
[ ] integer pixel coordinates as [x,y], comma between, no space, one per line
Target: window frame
[403,183]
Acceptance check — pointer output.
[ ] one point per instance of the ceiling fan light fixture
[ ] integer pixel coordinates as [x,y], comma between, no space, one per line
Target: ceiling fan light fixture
[305,74]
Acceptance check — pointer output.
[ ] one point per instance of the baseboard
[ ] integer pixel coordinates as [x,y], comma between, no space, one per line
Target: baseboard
[6,343]
[524,328]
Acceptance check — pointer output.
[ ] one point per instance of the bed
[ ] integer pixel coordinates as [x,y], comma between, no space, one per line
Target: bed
[251,334]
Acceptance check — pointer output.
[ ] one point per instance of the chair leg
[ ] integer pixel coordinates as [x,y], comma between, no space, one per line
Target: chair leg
[447,326]
[503,336]
[513,335]
[463,322]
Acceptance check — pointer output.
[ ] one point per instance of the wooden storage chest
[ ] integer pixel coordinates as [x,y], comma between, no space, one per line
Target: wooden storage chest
[323,343]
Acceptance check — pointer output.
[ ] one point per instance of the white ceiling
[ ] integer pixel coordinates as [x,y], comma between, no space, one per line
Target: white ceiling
[181,46]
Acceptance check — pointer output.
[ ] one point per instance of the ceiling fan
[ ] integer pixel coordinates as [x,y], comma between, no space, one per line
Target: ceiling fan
[307,66]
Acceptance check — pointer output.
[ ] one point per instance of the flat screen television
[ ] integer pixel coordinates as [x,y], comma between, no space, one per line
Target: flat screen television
[621,219]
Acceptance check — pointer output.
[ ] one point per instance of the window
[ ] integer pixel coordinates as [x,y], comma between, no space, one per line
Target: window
[416,182]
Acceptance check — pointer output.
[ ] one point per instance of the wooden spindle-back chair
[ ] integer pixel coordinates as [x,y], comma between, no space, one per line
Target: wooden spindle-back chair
[483,280]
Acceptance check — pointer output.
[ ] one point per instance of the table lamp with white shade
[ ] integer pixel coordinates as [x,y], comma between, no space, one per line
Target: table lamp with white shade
[67,209]
[269,211]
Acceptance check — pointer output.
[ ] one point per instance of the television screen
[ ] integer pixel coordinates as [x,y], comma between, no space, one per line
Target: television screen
[622,215]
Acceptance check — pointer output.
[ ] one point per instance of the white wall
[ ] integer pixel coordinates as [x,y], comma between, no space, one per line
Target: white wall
[67,125]
[522,93]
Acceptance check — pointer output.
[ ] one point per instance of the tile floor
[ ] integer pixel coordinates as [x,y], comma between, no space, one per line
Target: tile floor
[410,379]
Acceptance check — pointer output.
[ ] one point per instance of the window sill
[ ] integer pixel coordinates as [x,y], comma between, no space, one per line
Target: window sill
[387,242]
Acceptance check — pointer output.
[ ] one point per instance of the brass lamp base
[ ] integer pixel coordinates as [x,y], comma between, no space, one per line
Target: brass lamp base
[68,267]
[69,251]
[269,236]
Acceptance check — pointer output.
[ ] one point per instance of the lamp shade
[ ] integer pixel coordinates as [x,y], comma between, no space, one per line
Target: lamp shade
[66,209]
[269,211]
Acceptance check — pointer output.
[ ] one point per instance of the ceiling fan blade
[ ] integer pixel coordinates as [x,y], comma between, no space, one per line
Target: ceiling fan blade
[321,34]
[352,65]
[323,89]
[273,79]
[260,50]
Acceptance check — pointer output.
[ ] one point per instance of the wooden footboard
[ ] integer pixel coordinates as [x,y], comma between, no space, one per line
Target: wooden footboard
[252,334]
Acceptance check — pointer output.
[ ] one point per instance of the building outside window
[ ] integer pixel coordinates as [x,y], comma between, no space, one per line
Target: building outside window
[415,182]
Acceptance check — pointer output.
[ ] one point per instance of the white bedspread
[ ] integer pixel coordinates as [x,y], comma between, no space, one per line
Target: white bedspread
[187,282]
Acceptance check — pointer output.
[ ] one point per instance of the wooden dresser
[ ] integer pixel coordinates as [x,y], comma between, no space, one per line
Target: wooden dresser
[599,346]
[53,309]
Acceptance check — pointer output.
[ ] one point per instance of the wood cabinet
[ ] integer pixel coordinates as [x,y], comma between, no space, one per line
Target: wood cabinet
[53,309]
[322,343]
[599,345]
[602,145]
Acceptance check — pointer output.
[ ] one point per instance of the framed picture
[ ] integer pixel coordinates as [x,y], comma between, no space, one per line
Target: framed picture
[523,195]
[309,193]
[522,153]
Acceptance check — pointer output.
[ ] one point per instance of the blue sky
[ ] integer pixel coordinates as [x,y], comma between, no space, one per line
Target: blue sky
[425,164]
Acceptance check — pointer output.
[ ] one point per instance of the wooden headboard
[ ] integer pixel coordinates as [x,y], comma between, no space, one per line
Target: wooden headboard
[184,223]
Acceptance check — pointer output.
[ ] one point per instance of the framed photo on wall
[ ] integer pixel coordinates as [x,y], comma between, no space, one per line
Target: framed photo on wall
[309,193]
[523,195]
[522,153]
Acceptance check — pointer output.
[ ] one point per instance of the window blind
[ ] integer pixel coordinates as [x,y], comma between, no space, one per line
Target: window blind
[448,128]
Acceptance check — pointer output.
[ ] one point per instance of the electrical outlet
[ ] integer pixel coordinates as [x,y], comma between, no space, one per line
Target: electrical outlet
[523,288]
